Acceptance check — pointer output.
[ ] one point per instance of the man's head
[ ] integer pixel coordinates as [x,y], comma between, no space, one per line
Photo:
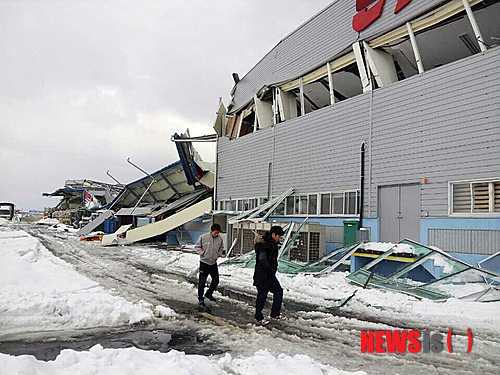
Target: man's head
[276,233]
[215,230]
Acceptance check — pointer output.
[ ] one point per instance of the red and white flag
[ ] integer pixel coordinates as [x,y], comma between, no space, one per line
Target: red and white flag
[91,203]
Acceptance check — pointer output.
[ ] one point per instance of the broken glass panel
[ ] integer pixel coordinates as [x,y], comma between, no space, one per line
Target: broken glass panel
[434,274]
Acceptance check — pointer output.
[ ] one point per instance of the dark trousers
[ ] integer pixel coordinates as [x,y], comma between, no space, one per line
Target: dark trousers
[205,270]
[262,292]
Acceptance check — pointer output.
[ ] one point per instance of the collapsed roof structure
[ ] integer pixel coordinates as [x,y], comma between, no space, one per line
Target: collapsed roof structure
[81,196]
[160,201]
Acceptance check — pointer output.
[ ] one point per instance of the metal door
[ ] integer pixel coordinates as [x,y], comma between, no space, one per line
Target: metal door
[399,210]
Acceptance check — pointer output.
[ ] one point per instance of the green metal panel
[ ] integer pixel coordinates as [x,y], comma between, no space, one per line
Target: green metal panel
[350,232]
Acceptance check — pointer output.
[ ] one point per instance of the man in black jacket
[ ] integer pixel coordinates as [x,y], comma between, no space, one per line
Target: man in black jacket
[264,277]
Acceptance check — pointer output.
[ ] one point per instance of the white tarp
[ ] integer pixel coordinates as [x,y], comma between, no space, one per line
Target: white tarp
[171,222]
[112,239]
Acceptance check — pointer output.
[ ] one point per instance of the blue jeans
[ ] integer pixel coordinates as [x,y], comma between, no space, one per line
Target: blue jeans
[262,292]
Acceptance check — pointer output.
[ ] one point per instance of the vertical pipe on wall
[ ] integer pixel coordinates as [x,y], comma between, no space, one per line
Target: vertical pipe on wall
[414,45]
[361,185]
[475,26]
[370,140]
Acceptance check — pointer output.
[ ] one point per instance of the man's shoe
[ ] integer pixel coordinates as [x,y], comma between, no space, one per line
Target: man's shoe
[278,317]
[210,298]
[262,322]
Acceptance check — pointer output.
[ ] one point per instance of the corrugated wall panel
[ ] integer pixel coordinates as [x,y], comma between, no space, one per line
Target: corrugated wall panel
[243,165]
[320,151]
[484,242]
[443,125]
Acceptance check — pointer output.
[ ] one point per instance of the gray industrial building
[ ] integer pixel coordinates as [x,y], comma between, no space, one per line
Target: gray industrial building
[417,83]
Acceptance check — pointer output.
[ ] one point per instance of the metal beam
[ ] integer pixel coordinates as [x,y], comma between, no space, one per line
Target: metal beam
[313,105]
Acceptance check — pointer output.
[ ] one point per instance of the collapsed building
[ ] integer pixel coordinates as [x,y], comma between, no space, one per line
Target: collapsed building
[171,204]
[383,118]
[79,198]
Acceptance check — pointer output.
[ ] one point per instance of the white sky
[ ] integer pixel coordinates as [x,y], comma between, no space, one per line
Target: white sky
[86,84]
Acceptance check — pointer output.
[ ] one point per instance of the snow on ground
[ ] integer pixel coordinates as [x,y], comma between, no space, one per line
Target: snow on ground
[62,228]
[331,289]
[47,221]
[39,291]
[135,361]
[326,291]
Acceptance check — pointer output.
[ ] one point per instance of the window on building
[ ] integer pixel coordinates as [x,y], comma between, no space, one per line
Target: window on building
[312,208]
[316,95]
[290,205]
[303,205]
[454,38]
[325,204]
[296,210]
[338,203]
[232,205]
[346,83]
[239,205]
[350,203]
[475,197]
[280,210]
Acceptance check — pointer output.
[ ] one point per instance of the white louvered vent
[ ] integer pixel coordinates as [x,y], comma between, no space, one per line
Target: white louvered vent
[461,198]
[481,197]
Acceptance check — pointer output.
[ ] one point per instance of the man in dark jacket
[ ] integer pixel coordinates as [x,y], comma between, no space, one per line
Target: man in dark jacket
[264,277]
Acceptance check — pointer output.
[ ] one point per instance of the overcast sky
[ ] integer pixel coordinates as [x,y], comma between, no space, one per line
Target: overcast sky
[86,84]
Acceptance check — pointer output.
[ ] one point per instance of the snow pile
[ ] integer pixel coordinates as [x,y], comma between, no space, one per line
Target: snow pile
[330,290]
[401,248]
[47,221]
[136,361]
[164,312]
[40,291]
[63,228]
[4,221]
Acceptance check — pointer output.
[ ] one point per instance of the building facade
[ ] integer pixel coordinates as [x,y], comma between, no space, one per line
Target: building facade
[417,83]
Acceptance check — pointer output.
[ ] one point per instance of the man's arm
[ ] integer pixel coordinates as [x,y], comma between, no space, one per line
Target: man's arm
[199,246]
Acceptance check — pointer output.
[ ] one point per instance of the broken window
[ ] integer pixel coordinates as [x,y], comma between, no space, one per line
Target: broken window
[316,95]
[454,38]
[347,83]
[432,274]
[481,197]
[248,122]
[333,82]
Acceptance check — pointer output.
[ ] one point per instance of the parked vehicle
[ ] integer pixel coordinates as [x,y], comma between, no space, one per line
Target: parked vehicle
[7,210]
